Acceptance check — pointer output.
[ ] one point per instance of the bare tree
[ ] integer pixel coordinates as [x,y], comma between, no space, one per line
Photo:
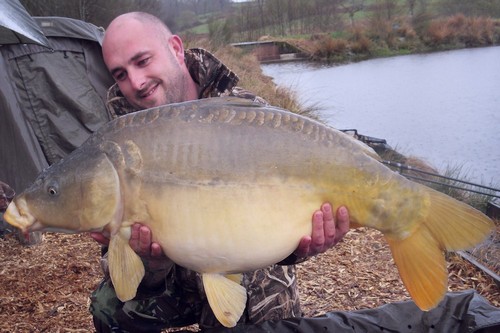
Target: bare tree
[389,6]
[351,7]
[260,6]
[470,8]
[411,6]
[277,15]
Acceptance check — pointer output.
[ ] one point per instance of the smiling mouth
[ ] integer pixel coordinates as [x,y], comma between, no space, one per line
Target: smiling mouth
[148,91]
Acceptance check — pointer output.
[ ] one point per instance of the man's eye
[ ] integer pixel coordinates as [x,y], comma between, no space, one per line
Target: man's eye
[143,62]
[120,76]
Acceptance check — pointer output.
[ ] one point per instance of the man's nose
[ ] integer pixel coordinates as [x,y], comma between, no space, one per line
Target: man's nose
[137,79]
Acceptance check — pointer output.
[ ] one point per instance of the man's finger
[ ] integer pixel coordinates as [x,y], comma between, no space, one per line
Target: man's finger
[329,226]
[303,248]
[134,237]
[318,233]
[156,250]
[145,241]
[342,223]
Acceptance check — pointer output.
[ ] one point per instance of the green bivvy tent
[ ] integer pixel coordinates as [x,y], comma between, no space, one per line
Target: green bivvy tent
[52,97]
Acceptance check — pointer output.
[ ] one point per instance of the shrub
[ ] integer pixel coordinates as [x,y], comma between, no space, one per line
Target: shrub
[327,47]
[478,31]
[379,28]
[457,22]
[462,31]
[438,33]
[406,31]
[362,45]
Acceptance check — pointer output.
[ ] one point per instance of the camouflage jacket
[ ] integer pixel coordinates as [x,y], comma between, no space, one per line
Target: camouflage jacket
[272,292]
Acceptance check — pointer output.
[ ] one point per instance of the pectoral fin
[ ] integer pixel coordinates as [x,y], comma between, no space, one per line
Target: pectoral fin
[226,297]
[125,266]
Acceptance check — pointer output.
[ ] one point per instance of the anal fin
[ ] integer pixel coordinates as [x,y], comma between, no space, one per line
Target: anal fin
[226,297]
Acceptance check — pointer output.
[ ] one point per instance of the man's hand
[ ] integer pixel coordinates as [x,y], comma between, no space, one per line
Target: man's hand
[141,241]
[326,231]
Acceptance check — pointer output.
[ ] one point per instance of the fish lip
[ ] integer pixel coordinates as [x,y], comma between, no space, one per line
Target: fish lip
[18,217]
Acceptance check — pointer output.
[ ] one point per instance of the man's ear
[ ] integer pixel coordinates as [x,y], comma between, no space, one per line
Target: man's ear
[177,47]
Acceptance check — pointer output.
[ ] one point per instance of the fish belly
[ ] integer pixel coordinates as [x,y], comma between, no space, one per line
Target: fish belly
[227,229]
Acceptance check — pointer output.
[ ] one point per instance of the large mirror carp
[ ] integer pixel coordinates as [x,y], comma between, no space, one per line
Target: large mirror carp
[228,186]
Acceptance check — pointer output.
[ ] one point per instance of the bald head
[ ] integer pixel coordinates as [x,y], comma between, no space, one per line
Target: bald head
[143,17]
[149,23]
[147,61]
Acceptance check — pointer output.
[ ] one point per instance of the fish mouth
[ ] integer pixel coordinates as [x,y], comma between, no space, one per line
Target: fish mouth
[19,217]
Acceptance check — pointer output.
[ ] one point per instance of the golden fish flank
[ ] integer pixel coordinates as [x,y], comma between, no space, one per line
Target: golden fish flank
[227,186]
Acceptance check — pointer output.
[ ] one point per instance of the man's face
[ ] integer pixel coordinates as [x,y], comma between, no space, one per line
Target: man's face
[147,66]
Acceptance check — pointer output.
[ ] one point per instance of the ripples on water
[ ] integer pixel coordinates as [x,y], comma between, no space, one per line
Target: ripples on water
[442,107]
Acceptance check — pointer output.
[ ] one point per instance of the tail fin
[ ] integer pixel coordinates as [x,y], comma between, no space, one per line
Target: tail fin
[456,225]
[451,225]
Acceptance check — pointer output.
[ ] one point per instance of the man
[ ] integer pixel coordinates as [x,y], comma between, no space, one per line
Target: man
[151,68]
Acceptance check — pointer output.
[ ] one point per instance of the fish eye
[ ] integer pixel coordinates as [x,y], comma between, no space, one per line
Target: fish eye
[52,191]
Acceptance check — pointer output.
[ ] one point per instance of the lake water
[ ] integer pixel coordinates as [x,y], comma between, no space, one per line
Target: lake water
[442,107]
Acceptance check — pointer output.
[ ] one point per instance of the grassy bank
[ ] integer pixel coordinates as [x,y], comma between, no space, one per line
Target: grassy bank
[248,69]
[380,38]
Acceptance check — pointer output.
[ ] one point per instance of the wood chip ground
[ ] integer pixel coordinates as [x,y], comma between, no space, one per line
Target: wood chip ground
[45,288]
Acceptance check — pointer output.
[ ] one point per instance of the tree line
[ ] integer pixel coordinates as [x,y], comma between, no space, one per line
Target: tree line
[177,14]
[252,19]
[296,17]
